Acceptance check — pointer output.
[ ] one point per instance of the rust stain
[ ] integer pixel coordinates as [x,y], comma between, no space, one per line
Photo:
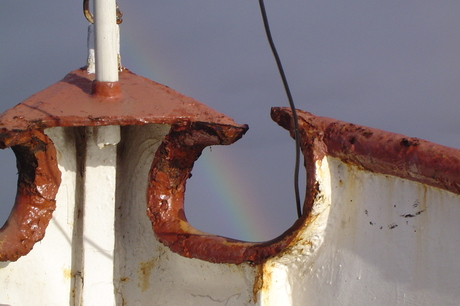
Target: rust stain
[266,280]
[144,272]
[258,283]
[67,273]
[124,279]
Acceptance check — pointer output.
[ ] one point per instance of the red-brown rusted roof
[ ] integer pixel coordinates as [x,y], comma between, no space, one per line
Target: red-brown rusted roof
[70,102]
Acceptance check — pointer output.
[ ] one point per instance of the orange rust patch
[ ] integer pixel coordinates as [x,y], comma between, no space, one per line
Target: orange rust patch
[144,272]
[266,280]
[67,273]
[124,279]
[258,283]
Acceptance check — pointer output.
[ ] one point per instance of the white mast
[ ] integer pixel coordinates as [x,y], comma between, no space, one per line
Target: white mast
[100,170]
[106,40]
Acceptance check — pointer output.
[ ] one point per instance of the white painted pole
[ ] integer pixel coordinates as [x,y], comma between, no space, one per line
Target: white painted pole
[106,40]
[100,171]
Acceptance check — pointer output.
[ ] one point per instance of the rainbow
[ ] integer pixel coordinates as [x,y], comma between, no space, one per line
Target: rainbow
[219,172]
[222,177]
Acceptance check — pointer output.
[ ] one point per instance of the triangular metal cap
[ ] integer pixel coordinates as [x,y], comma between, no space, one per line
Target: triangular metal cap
[71,102]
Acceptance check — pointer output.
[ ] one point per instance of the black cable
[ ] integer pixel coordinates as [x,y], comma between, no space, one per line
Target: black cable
[291,103]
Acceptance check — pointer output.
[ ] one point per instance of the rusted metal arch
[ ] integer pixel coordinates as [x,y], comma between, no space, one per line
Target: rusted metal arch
[38,182]
[170,170]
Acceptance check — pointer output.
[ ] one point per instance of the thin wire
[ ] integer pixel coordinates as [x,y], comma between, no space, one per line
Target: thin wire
[291,103]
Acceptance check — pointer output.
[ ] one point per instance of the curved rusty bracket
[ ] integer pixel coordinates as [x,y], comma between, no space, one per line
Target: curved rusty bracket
[38,182]
[171,168]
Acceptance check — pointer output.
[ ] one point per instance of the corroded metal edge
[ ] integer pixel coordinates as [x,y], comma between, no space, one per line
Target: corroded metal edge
[38,183]
[77,100]
[382,152]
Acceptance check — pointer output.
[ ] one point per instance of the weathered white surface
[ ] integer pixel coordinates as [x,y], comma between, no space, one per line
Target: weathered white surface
[388,241]
[44,276]
[147,272]
[282,272]
[106,40]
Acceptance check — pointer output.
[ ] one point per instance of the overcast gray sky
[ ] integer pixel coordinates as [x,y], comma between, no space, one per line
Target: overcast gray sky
[392,65]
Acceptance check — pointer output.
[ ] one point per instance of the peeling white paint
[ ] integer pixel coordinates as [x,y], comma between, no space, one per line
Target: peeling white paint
[91,61]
